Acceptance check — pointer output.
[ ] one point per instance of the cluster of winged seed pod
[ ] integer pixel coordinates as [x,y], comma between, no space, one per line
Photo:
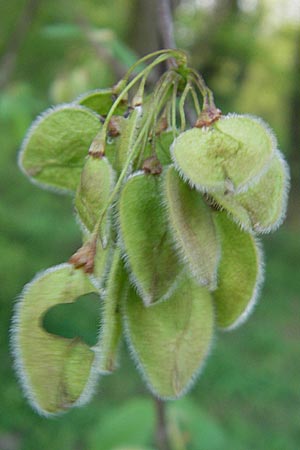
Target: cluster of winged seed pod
[169,216]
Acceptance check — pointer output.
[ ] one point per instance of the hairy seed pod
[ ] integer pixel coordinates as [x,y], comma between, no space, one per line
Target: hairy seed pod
[240,273]
[162,148]
[193,229]
[110,332]
[95,187]
[147,241]
[128,137]
[53,152]
[228,156]
[100,101]
[169,341]
[56,373]
[263,207]
[102,262]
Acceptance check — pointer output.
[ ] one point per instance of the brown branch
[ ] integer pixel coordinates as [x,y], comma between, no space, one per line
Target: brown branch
[165,23]
[162,440]
[9,58]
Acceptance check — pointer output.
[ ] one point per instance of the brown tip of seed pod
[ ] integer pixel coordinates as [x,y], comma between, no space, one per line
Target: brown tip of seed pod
[162,125]
[114,126]
[208,116]
[152,166]
[84,257]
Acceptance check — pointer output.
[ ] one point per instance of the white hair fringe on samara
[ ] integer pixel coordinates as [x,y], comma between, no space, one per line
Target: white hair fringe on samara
[178,247]
[40,118]
[147,299]
[15,348]
[141,368]
[220,185]
[256,289]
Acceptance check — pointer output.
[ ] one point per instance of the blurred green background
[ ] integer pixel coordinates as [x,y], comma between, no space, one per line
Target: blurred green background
[248,396]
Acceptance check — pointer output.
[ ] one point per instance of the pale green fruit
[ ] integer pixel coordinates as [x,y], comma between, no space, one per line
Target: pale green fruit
[263,207]
[240,273]
[94,189]
[193,229]
[170,340]
[228,156]
[129,132]
[162,148]
[111,329]
[100,101]
[146,238]
[56,373]
[102,262]
[54,150]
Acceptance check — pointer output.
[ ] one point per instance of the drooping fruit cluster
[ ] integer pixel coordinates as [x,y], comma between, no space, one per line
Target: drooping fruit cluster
[169,214]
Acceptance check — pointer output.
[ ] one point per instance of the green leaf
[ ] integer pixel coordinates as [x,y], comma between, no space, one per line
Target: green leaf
[100,101]
[53,152]
[193,229]
[56,373]
[111,329]
[240,273]
[263,207]
[131,424]
[170,340]
[148,246]
[95,187]
[229,156]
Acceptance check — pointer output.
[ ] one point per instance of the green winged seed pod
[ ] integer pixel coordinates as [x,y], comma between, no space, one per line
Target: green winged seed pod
[240,273]
[170,340]
[163,144]
[263,207]
[56,373]
[102,262]
[96,184]
[193,228]
[53,152]
[100,101]
[110,333]
[228,156]
[148,245]
[129,133]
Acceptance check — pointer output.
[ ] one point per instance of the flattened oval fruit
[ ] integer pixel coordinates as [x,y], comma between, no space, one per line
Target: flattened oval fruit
[263,207]
[240,273]
[169,341]
[96,184]
[111,329]
[56,373]
[229,156]
[54,150]
[100,101]
[193,229]
[148,246]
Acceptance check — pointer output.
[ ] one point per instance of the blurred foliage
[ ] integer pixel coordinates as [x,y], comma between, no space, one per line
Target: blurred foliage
[248,395]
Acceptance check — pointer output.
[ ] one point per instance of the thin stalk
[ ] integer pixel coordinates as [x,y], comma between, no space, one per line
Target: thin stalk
[172,53]
[184,95]
[162,439]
